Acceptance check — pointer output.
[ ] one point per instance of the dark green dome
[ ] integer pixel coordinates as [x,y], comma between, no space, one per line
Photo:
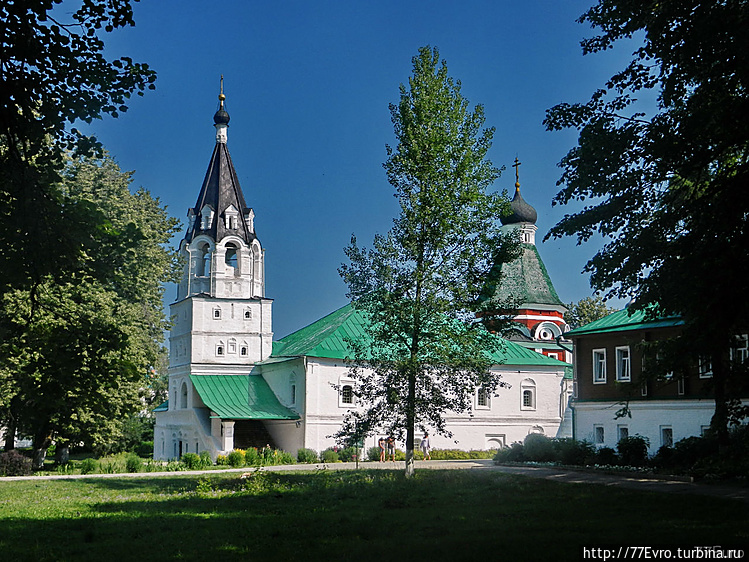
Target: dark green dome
[521,211]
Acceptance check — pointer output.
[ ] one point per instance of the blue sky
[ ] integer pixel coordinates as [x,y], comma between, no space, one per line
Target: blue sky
[308,86]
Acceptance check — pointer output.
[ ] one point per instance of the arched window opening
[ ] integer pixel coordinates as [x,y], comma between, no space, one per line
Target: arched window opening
[482,398]
[347,394]
[231,256]
[183,396]
[203,262]
[528,395]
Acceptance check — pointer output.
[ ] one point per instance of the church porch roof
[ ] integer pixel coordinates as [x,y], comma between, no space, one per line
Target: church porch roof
[241,397]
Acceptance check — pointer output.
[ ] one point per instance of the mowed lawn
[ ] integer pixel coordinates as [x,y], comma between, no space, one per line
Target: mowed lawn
[348,515]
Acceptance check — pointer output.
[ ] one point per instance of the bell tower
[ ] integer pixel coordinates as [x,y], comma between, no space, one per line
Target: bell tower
[221,318]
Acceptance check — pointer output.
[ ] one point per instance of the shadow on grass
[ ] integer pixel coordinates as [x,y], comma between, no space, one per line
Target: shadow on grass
[439,515]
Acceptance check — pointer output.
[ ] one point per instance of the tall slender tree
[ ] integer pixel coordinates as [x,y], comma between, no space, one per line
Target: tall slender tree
[670,187]
[418,288]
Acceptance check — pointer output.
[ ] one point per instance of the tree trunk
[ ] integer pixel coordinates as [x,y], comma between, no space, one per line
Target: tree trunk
[62,454]
[410,425]
[719,421]
[41,444]
[40,453]
[10,435]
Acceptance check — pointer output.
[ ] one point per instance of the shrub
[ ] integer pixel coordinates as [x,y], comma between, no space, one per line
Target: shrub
[268,455]
[538,448]
[373,453]
[347,454]
[307,456]
[329,455]
[284,457]
[236,458]
[192,461]
[633,450]
[513,453]
[89,466]
[606,456]
[571,451]
[205,459]
[133,463]
[144,449]
[222,460]
[13,463]
[252,457]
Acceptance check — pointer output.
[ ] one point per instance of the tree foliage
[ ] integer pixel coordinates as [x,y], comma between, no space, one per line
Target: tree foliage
[668,188]
[53,73]
[77,354]
[419,285]
[586,311]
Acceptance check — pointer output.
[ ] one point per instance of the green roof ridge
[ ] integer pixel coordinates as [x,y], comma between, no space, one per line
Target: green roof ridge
[329,336]
[625,320]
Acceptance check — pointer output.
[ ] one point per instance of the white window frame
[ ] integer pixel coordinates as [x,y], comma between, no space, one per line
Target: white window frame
[740,350]
[232,347]
[599,434]
[705,367]
[220,349]
[341,394]
[664,431]
[623,364]
[599,366]
[216,313]
[482,395]
[681,386]
[528,385]
[622,431]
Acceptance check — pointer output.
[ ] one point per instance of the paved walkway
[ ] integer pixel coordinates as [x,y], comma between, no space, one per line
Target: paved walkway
[634,482]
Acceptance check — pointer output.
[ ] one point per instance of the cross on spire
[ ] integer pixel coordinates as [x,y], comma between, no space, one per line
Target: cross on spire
[516,165]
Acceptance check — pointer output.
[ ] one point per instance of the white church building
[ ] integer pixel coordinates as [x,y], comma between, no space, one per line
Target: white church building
[232,387]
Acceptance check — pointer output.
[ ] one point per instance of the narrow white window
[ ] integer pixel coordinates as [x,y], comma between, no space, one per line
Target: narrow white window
[705,368]
[599,434]
[482,398]
[220,348]
[217,313]
[347,394]
[740,349]
[528,395]
[680,386]
[622,432]
[667,436]
[599,366]
[232,346]
[623,363]
[183,396]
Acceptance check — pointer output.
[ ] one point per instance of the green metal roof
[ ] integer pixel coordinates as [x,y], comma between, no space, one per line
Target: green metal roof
[241,397]
[328,338]
[524,280]
[623,321]
[163,407]
[324,338]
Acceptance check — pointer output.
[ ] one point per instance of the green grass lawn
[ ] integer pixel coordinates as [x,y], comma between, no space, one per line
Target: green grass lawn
[347,515]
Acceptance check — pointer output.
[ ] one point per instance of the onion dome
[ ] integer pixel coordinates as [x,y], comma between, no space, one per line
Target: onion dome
[221,117]
[521,210]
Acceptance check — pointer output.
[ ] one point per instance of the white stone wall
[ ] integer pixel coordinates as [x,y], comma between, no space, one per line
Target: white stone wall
[686,418]
[503,422]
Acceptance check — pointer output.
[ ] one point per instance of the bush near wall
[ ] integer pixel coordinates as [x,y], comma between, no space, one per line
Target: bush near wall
[306,456]
[13,463]
[700,457]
